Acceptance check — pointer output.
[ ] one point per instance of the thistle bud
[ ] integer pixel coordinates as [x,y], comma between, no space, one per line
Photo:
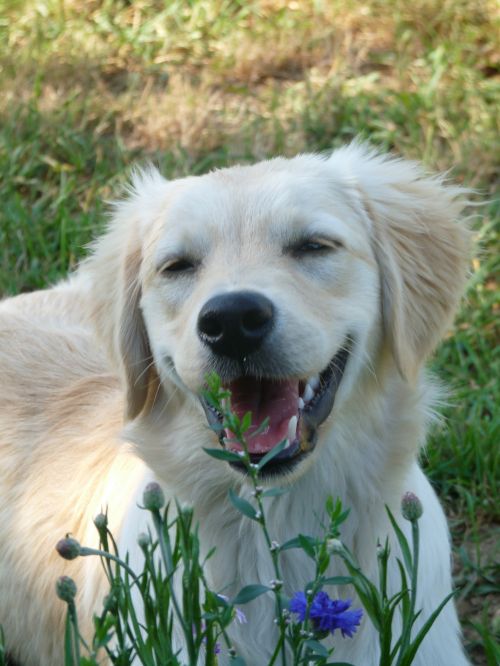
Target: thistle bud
[101,521]
[153,497]
[143,540]
[411,507]
[66,588]
[68,548]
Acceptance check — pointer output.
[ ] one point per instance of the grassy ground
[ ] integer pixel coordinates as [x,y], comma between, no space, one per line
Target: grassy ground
[90,87]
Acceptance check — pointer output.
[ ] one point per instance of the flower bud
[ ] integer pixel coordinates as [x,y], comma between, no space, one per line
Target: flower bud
[334,546]
[411,507]
[143,540]
[153,497]
[101,521]
[68,548]
[66,588]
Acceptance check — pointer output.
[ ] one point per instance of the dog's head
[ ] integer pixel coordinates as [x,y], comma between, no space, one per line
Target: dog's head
[292,279]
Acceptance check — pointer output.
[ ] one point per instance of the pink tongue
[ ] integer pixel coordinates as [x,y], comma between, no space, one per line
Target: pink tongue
[276,400]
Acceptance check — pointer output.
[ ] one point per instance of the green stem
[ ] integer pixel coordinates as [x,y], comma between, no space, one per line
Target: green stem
[277,572]
[222,628]
[94,551]
[76,633]
[253,473]
[408,621]
[169,566]
[279,645]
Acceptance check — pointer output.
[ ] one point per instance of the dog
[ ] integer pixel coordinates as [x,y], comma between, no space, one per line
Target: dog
[316,287]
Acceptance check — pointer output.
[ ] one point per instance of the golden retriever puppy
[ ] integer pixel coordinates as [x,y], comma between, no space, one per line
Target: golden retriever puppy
[316,287]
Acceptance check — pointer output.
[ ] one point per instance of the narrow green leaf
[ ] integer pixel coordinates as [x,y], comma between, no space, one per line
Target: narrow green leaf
[272,453]
[404,588]
[307,544]
[343,516]
[338,580]
[249,593]
[403,542]
[413,647]
[275,492]
[261,428]
[232,422]
[291,543]
[68,643]
[385,636]
[316,647]
[246,421]
[242,505]
[221,454]
[370,599]
[395,650]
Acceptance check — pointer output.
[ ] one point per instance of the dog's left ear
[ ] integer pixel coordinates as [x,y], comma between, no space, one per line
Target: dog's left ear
[115,270]
[132,343]
[422,248]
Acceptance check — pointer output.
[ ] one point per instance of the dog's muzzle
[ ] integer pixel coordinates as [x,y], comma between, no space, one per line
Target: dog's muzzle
[294,408]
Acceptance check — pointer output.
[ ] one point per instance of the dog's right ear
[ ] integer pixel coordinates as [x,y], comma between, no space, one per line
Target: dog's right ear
[421,244]
[115,271]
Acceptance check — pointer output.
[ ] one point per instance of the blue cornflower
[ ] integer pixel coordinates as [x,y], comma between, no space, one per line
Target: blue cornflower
[327,614]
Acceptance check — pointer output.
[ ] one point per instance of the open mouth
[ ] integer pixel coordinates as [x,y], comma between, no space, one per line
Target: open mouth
[294,409]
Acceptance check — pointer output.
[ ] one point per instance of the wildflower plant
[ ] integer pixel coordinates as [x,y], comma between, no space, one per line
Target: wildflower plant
[125,633]
[203,616]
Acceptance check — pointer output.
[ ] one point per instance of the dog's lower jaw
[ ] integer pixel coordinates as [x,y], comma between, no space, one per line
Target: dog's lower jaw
[293,409]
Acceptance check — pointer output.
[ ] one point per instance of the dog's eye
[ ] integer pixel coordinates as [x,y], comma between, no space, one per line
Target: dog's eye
[179,265]
[311,246]
[315,247]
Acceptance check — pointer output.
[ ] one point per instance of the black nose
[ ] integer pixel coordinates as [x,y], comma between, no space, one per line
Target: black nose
[235,324]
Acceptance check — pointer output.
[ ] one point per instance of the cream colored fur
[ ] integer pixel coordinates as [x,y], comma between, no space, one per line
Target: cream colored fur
[119,337]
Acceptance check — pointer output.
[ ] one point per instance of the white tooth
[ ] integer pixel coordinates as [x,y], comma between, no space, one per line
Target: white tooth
[314,383]
[308,393]
[300,403]
[288,443]
[292,429]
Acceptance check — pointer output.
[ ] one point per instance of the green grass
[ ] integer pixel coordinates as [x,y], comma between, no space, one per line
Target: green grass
[89,88]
